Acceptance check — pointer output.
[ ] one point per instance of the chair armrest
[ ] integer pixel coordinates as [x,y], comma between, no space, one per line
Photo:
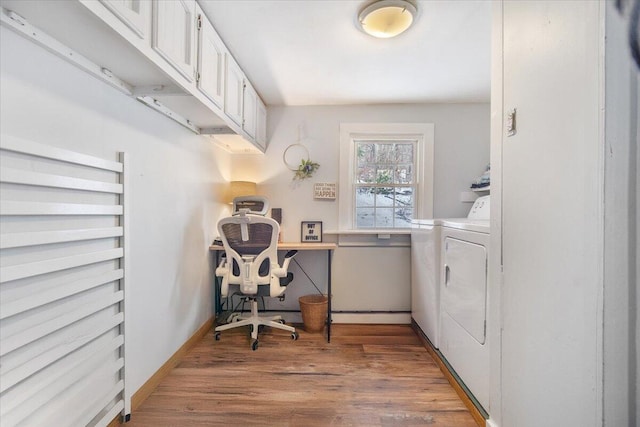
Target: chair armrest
[279,271]
[287,259]
[223,267]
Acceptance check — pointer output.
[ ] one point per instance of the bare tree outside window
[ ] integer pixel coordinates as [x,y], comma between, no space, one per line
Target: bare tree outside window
[385,183]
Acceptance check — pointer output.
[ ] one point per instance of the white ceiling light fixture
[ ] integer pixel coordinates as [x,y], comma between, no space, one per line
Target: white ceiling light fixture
[387,18]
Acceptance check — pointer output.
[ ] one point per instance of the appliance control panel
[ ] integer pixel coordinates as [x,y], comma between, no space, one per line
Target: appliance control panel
[480,209]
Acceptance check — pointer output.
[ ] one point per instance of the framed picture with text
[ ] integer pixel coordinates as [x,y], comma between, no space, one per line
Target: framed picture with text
[311,232]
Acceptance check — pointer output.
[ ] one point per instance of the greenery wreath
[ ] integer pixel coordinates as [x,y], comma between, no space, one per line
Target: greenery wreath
[306,169]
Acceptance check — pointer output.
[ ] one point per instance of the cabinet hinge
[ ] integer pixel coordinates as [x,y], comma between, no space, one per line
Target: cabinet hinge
[197,77]
[199,22]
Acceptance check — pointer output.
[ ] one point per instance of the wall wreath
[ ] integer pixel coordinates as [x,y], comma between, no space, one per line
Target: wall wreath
[303,168]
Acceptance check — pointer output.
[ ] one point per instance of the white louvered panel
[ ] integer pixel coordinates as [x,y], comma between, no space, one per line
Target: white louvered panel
[106,419]
[24,337]
[44,385]
[19,411]
[13,375]
[97,405]
[88,395]
[17,176]
[10,308]
[21,271]
[16,240]
[39,208]
[62,294]
[23,146]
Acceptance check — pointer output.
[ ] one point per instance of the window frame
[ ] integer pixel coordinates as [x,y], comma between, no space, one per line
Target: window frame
[423,133]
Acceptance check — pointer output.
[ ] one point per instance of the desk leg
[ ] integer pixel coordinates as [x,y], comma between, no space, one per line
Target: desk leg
[217,286]
[329,296]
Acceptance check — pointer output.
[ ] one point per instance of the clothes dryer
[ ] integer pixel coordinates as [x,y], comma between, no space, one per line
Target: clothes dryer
[464,298]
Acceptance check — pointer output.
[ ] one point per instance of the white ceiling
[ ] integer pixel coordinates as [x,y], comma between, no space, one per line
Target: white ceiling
[310,52]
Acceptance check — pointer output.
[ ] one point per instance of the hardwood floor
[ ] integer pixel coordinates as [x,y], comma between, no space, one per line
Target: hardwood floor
[370,375]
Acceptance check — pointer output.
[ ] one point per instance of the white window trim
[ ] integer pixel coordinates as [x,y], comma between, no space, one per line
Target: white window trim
[349,132]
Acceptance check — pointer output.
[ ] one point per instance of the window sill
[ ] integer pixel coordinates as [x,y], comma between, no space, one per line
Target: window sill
[371,238]
[371,231]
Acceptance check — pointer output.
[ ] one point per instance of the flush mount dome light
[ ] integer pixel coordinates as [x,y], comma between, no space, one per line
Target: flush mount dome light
[387,18]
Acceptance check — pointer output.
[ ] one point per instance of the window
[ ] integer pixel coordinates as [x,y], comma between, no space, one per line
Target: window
[386,175]
[384,182]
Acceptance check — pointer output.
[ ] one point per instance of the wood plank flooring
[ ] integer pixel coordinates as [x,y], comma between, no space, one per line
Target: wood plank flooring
[369,375]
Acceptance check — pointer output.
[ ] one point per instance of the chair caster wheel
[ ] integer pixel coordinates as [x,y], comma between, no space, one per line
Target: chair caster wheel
[254,345]
[217,336]
[260,328]
[294,336]
[281,321]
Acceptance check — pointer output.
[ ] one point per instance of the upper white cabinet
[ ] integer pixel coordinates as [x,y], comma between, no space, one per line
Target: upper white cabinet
[135,14]
[261,124]
[164,53]
[249,109]
[234,90]
[174,34]
[211,53]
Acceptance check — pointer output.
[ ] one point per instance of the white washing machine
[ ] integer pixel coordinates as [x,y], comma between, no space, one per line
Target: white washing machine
[464,299]
[425,276]
[426,239]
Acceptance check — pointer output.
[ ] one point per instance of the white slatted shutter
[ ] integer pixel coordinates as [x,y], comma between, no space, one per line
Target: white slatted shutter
[62,286]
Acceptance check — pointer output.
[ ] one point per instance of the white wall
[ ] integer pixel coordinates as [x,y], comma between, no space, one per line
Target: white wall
[461,155]
[175,180]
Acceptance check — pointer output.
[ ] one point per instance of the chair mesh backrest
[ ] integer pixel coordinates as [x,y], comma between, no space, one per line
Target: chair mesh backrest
[260,235]
[259,238]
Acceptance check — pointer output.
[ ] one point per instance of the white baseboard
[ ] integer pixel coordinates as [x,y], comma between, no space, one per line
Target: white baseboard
[491,423]
[371,318]
[355,318]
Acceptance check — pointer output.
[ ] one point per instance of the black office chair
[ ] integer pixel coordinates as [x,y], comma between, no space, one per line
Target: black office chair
[251,262]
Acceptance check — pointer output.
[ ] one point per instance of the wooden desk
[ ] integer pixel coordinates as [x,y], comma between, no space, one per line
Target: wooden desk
[329,247]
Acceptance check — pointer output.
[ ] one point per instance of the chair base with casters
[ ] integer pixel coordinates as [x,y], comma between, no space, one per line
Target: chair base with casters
[255,321]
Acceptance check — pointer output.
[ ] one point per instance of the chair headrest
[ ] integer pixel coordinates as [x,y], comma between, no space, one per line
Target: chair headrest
[257,205]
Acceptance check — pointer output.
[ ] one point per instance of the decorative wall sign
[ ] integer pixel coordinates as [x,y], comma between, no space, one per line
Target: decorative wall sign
[324,190]
[311,232]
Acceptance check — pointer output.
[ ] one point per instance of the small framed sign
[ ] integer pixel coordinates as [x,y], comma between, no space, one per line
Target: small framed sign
[311,232]
[324,190]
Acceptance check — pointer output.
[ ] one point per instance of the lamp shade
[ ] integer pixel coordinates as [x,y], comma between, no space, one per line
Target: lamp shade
[241,188]
[387,18]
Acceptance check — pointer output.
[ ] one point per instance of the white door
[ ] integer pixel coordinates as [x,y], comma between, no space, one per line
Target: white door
[174,34]
[211,52]
[261,124]
[136,14]
[249,109]
[233,93]
[551,212]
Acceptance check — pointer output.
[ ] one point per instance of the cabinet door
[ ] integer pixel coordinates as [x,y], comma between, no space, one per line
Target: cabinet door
[233,92]
[134,13]
[211,52]
[174,34]
[249,109]
[261,124]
